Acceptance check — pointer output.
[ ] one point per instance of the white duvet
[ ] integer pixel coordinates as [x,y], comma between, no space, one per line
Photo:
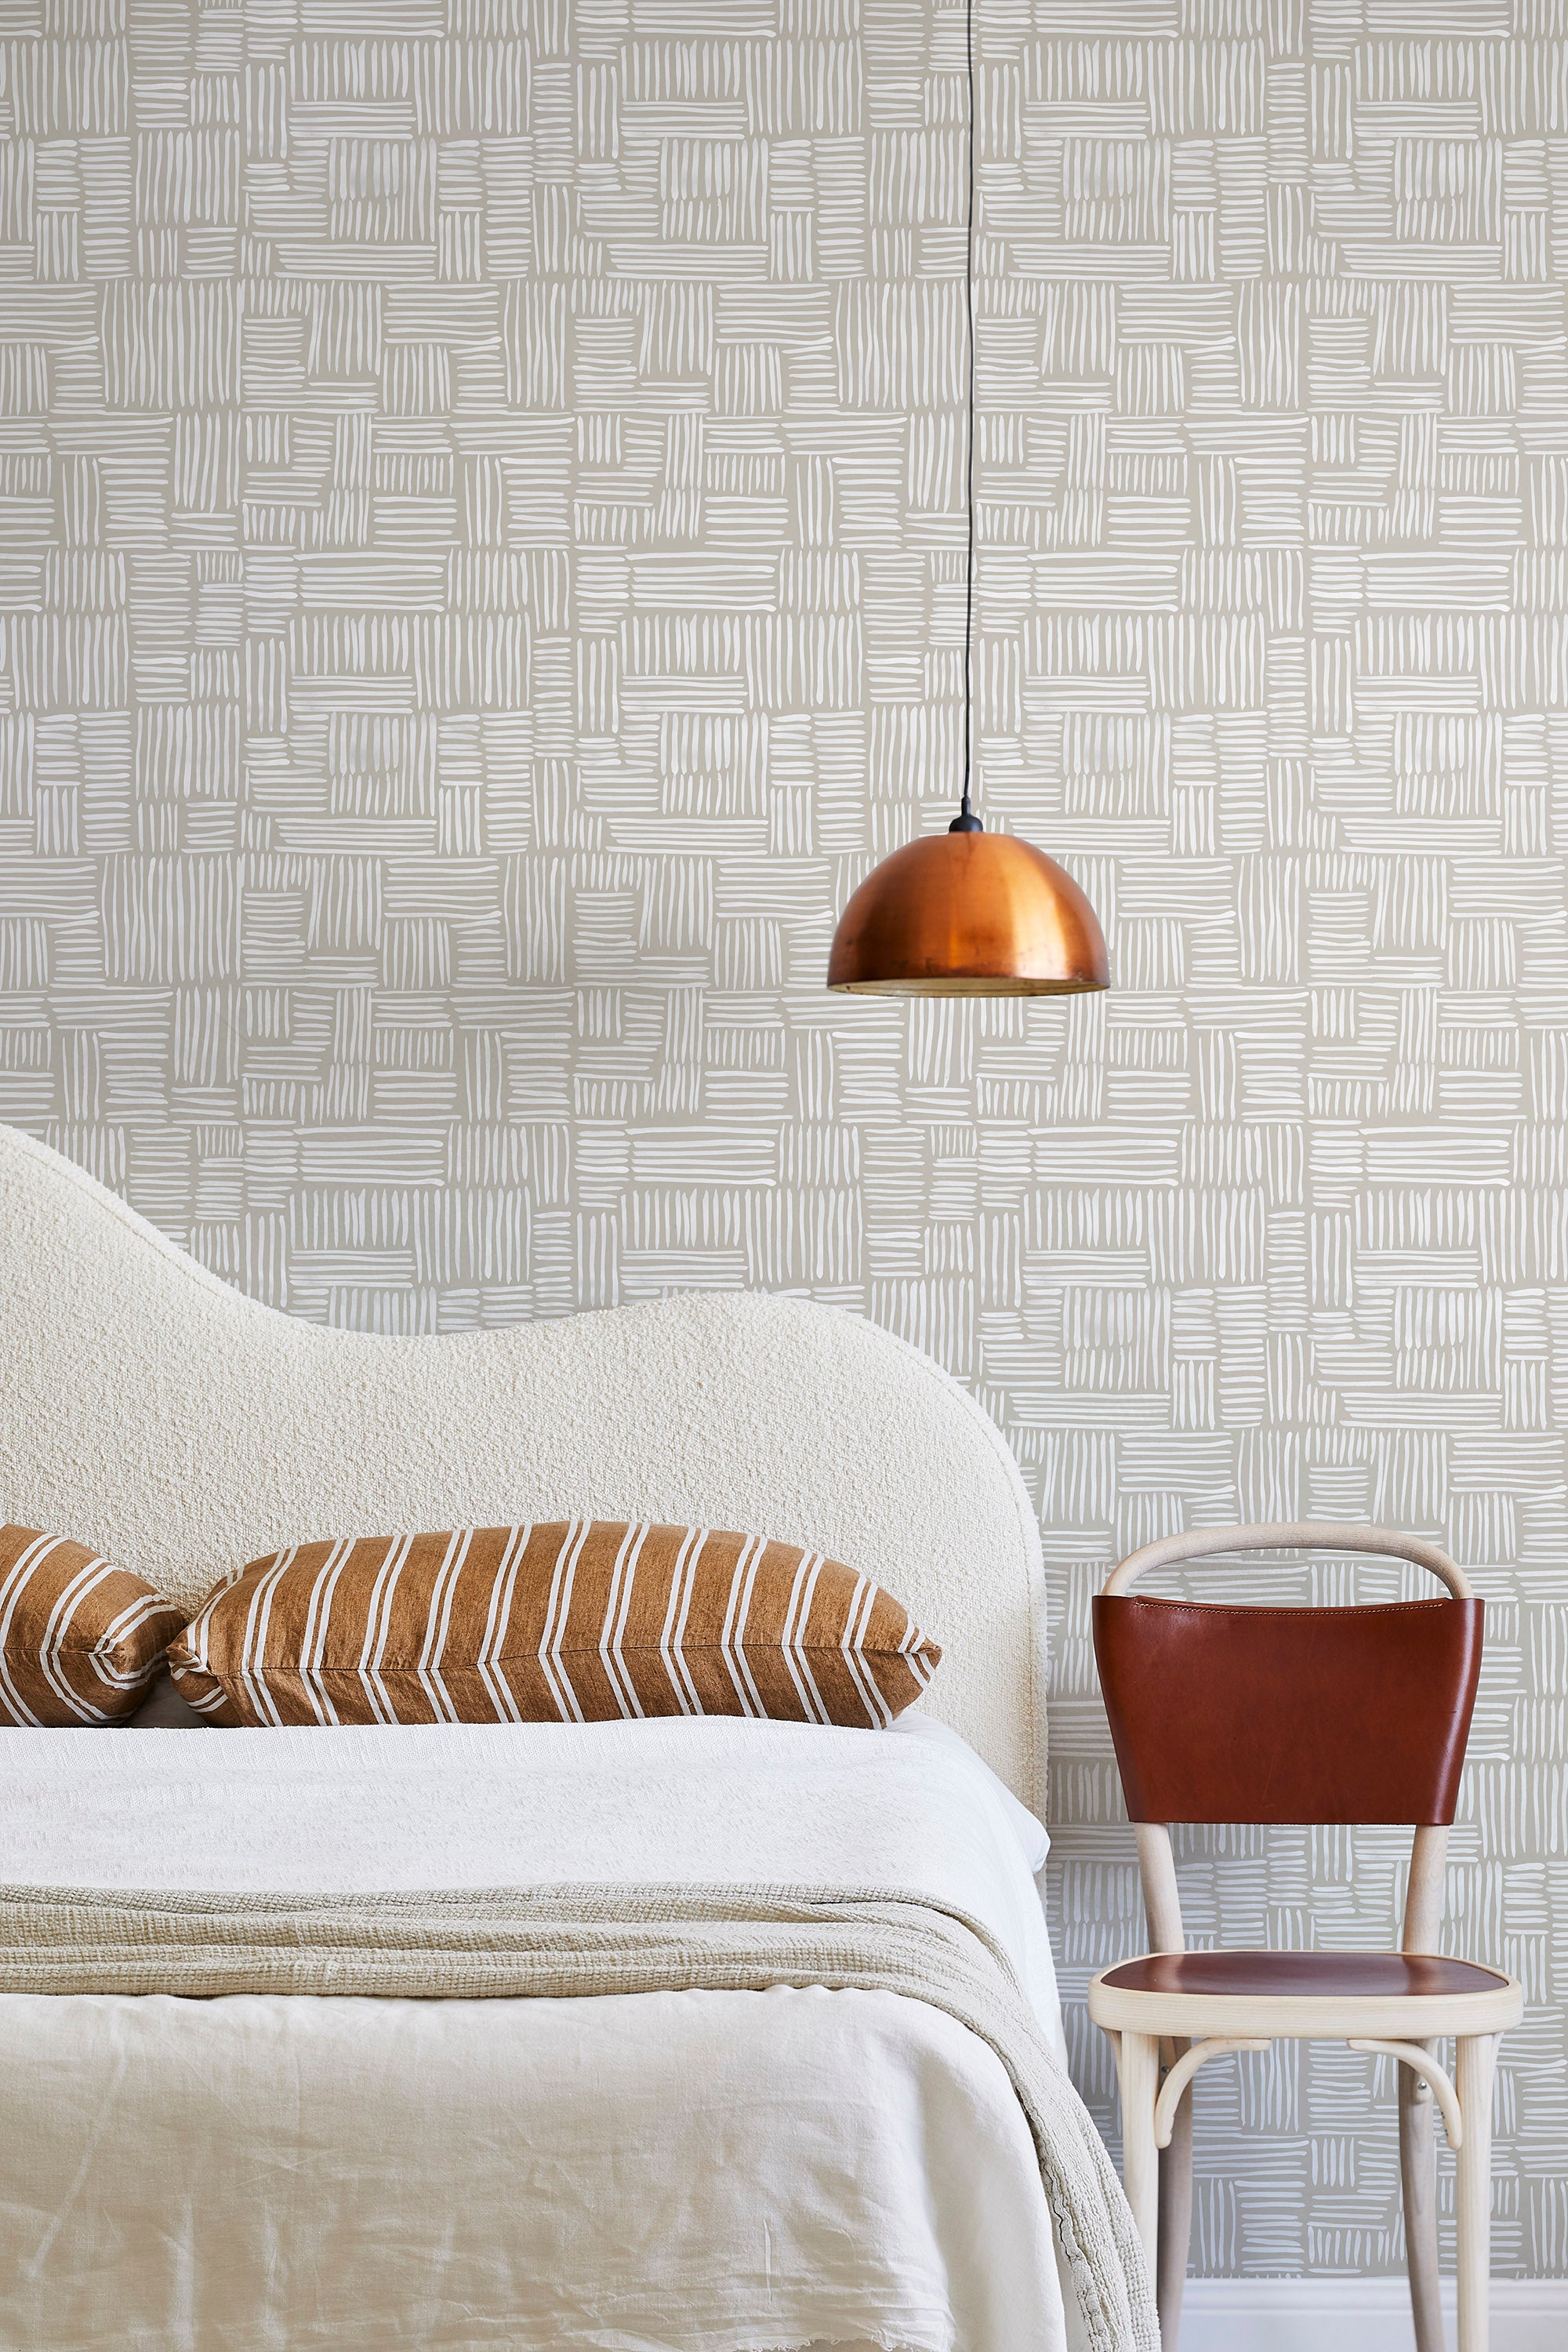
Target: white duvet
[694,2172]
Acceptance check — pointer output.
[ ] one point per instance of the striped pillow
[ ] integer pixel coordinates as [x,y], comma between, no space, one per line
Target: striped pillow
[578,1621]
[80,1641]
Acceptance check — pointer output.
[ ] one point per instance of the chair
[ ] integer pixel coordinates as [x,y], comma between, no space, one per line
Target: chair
[1262,1715]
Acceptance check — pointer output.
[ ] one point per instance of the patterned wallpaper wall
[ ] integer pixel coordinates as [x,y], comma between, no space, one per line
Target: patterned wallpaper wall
[480,577]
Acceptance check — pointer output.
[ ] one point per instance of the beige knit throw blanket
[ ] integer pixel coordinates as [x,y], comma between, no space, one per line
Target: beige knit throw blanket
[552,1942]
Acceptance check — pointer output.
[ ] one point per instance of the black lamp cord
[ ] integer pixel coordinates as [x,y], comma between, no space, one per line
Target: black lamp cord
[966,821]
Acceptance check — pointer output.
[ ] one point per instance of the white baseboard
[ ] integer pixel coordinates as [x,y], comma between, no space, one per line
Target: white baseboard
[1345,2315]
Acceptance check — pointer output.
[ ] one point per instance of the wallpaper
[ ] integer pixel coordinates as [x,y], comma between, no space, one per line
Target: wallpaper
[481,546]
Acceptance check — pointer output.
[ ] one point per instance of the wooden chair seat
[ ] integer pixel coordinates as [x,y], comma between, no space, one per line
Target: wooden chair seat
[1290,1993]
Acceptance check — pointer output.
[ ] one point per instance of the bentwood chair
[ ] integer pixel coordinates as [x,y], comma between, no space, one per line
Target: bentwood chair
[1262,1715]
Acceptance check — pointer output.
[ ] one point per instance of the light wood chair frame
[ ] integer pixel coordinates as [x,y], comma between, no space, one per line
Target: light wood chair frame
[1161,2042]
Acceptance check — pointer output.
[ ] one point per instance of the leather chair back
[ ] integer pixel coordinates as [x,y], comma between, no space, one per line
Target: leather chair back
[1262,1715]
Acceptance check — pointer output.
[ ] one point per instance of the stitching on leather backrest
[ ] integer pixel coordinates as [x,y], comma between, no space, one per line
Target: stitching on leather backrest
[1245,1609]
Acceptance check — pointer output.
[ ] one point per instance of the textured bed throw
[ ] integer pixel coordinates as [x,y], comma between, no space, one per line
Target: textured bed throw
[555,1942]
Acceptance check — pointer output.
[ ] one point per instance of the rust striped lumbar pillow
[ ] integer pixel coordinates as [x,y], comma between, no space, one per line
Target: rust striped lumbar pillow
[80,1640]
[581,1620]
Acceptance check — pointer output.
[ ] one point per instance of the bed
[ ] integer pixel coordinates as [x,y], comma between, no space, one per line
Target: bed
[706,2170]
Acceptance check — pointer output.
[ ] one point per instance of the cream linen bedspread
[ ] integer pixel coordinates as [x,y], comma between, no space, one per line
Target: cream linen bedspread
[567,1943]
[657,2172]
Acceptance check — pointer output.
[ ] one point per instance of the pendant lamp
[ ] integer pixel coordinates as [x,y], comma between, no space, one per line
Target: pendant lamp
[967,912]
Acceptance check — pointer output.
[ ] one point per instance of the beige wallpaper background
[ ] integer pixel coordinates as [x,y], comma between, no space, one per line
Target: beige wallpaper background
[480,577]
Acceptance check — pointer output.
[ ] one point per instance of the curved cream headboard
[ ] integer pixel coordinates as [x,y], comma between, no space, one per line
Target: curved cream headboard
[181,1428]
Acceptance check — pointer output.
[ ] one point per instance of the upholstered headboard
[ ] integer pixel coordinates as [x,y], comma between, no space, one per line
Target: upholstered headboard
[181,1428]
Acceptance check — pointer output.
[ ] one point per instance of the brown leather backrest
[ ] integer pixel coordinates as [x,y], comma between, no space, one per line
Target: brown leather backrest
[1289,1715]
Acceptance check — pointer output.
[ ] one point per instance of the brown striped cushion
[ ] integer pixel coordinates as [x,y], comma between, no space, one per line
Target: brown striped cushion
[80,1641]
[581,1620]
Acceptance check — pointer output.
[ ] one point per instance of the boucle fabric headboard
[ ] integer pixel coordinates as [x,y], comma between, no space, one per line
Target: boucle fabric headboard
[181,1428]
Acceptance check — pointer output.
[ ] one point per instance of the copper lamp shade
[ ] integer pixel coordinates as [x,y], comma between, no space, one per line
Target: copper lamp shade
[968,914]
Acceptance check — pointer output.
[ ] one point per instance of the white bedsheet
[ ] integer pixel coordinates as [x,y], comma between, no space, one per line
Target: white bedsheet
[695,2172]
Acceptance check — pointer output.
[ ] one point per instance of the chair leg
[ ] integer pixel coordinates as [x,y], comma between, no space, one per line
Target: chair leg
[1176,2223]
[1418,2180]
[1138,2063]
[1475,2071]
